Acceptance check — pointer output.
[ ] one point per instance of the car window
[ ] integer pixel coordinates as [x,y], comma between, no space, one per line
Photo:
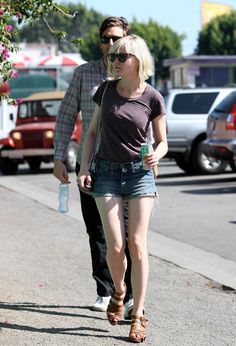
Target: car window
[22,82]
[39,108]
[45,82]
[227,103]
[193,103]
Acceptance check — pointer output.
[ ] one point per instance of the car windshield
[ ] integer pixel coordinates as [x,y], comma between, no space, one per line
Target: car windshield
[42,108]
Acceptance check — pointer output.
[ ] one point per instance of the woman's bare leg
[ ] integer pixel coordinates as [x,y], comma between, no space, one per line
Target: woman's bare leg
[139,215]
[111,210]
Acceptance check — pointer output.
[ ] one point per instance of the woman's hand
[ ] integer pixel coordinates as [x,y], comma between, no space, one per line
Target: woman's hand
[84,180]
[151,159]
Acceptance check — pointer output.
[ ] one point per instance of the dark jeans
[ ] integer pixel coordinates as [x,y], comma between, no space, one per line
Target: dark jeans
[98,248]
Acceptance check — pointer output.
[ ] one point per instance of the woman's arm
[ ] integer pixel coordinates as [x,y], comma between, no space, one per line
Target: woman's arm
[84,178]
[160,136]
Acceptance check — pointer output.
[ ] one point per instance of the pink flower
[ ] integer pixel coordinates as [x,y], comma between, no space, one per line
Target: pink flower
[1,12]
[13,74]
[16,102]
[19,15]
[6,53]
[9,27]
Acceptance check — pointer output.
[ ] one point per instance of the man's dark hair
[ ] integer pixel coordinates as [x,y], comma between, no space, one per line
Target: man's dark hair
[115,21]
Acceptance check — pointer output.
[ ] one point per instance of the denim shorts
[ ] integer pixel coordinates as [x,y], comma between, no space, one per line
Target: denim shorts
[128,180]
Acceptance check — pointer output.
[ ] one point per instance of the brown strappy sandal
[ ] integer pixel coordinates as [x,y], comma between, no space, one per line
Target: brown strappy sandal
[138,329]
[115,307]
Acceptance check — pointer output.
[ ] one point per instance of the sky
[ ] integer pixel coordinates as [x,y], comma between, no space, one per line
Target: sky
[182,16]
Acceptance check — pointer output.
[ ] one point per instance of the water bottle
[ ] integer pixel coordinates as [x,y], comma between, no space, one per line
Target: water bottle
[63,198]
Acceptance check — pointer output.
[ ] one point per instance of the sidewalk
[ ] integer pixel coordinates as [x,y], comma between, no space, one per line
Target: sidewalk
[46,289]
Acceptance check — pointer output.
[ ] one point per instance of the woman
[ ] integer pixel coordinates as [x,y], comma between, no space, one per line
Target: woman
[128,112]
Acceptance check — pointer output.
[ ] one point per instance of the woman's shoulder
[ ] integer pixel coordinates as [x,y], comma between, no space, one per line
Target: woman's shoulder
[155,100]
[153,92]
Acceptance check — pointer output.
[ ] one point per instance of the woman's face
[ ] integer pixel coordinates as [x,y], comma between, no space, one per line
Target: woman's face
[128,66]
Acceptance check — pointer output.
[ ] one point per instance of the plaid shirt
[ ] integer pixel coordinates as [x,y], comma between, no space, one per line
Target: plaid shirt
[78,97]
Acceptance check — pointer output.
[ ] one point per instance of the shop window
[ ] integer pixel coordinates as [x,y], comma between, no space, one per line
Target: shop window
[213,76]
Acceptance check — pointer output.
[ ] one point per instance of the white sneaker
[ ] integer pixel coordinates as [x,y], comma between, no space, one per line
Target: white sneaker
[128,309]
[101,304]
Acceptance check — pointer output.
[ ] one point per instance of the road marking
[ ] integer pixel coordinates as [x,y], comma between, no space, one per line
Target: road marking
[186,256]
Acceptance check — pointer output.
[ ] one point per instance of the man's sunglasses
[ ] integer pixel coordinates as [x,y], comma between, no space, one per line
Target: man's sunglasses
[120,56]
[106,39]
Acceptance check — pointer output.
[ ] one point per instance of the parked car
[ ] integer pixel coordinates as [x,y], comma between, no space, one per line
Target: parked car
[31,140]
[221,130]
[187,112]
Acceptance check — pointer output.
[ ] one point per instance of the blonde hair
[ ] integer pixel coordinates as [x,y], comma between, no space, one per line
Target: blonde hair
[135,45]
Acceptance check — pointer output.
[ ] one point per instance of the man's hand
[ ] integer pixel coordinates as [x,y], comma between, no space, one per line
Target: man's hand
[60,171]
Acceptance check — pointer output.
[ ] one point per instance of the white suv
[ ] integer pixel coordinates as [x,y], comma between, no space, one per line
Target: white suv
[187,112]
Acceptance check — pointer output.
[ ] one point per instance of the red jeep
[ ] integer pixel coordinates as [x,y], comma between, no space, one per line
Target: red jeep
[32,138]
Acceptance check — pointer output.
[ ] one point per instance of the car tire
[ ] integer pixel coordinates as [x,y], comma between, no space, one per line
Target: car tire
[34,163]
[71,156]
[8,166]
[204,164]
[185,165]
[233,165]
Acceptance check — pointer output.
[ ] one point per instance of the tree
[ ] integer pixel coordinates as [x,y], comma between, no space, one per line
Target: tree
[79,26]
[33,15]
[162,42]
[22,11]
[218,37]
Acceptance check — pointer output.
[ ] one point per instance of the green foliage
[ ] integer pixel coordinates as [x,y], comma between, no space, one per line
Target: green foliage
[46,21]
[21,12]
[74,30]
[163,43]
[218,37]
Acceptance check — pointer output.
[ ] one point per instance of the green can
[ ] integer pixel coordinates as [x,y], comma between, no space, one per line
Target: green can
[145,150]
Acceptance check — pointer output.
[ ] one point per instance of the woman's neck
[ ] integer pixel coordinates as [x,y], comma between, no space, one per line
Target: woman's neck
[130,88]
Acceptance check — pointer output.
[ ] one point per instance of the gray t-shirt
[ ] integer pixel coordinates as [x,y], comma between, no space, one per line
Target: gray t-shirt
[125,122]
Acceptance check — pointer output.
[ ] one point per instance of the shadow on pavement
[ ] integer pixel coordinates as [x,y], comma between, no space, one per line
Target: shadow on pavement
[31,307]
[213,191]
[196,180]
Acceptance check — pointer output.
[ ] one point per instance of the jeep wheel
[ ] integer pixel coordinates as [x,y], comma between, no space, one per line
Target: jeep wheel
[71,156]
[34,163]
[8,166]
[233,165]
[204,164]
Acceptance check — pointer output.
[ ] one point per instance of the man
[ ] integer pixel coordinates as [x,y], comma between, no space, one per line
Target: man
[78,98]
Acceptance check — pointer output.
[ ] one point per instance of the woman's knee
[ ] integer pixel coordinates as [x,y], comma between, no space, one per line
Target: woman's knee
[116,251]
[137,249]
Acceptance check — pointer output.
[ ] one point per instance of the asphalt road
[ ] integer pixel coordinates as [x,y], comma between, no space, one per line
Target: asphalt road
[46,283]
[197,210]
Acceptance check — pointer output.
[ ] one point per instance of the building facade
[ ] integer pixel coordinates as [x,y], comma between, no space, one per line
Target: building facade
[202,71]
